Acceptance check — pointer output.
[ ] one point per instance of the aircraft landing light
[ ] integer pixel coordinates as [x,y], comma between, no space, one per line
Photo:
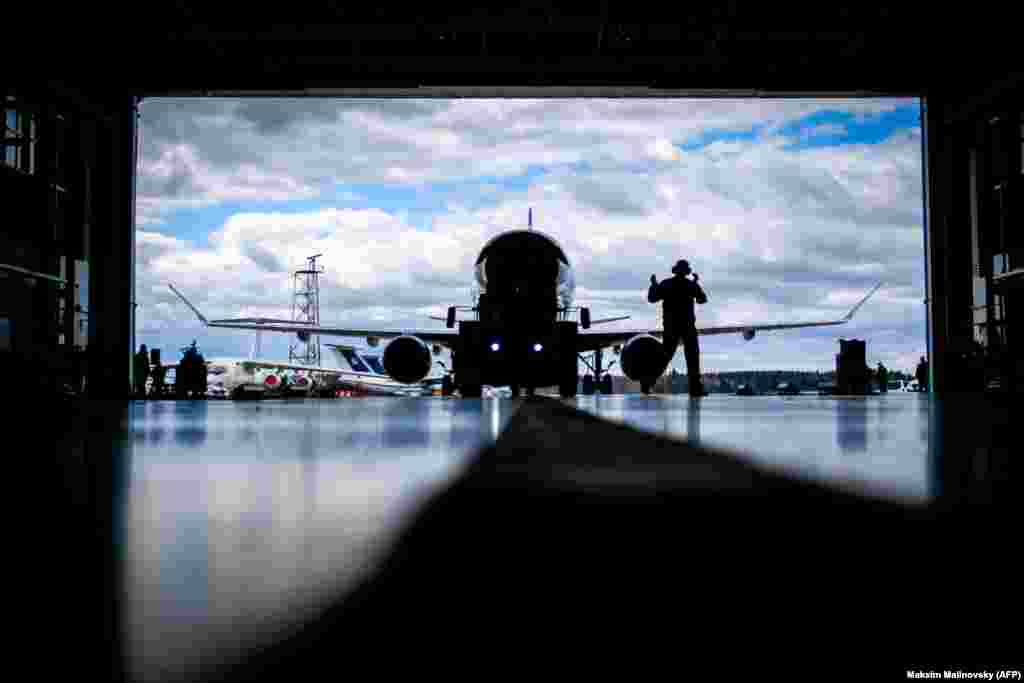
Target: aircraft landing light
[495,346]
[538,347]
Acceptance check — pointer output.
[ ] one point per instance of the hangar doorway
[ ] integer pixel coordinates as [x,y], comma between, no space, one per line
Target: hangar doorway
[687,176]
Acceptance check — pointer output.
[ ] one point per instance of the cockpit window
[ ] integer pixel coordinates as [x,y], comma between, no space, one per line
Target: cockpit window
[375,363]
[217,370]
[353,360]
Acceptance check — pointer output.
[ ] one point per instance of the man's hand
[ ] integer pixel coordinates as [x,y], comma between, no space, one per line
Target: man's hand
[654,280]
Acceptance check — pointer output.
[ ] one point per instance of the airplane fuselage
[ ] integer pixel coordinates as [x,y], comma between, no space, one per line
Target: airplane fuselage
[522,336]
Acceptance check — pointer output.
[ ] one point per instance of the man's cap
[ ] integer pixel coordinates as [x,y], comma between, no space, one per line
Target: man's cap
[681,267]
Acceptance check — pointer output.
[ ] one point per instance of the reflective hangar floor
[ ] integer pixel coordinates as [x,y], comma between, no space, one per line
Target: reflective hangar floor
[240,515]
[235,522]
[874,444]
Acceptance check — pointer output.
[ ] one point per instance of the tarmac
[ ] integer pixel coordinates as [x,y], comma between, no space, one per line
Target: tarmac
[250,539]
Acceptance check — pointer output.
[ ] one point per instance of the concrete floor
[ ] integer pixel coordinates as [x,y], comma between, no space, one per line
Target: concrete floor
[243,517]
[873,444]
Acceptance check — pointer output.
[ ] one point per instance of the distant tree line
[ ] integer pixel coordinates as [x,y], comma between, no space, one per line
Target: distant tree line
[761,380]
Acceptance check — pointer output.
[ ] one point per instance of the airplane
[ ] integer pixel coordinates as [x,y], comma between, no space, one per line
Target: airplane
[228,378]
[358,370]
[522,334]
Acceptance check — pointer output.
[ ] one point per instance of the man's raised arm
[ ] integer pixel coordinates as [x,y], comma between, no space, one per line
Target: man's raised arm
[700,296]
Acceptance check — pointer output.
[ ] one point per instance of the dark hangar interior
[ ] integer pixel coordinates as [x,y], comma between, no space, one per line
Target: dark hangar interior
[71,86]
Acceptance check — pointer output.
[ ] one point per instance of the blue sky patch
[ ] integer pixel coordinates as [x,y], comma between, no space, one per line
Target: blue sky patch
[821,129]
[719,135]
[196,225]
[829,128]
[418,204]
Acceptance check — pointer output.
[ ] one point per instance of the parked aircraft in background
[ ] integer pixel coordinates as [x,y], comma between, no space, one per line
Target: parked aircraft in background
[355,369]
[521,334]
[238,378]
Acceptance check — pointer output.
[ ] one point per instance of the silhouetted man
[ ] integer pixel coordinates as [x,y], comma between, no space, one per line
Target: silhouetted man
[141,371]
[190,379]
[678,294]
[883,378]
[159,380]
[922,374]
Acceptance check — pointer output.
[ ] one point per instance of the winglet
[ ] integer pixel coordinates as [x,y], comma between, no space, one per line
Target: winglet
[849,316]
[187,303]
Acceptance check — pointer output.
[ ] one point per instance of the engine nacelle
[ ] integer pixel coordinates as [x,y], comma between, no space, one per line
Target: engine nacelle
[643,358]
[303,336]
[748,334]
[407,359]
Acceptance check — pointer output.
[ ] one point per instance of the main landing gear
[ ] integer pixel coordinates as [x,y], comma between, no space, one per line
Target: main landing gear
[591,383]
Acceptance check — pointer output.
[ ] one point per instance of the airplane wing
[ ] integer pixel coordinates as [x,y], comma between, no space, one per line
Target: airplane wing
[609,320]
[290,326]
[600,340]
[592,322]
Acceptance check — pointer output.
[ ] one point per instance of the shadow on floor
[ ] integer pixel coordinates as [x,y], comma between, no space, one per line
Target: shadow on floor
[573,527]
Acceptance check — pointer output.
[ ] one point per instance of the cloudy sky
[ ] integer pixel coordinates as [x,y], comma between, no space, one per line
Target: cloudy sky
[788,209]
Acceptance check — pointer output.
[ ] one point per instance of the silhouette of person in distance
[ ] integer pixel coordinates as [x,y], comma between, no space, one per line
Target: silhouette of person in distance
[922,374]
[678,294]
[141,371]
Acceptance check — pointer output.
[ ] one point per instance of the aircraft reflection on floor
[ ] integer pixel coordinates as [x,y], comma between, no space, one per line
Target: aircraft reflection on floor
[852,424]
[253,509]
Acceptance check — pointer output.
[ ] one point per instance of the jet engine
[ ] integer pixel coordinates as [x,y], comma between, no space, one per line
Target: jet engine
[303,336]
[407,359]
[748,334]
[643,358]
